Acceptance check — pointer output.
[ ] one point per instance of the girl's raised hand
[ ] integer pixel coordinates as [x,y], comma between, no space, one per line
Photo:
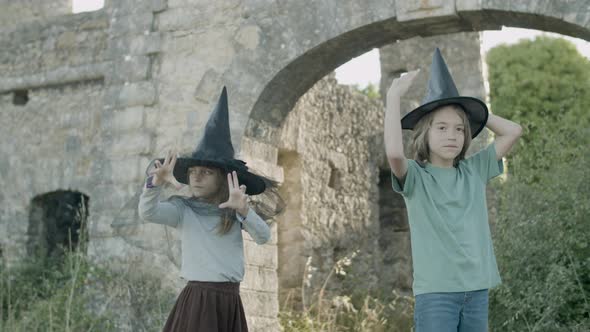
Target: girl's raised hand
[238,200]
[163,173]
[400,85]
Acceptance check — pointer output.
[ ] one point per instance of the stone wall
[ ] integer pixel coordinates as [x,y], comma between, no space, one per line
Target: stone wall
[46,148]
[25,11]
[55,51]
[51,98]
[329,159]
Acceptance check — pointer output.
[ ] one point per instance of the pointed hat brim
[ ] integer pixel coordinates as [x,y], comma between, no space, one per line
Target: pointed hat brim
[255,184]
[476,110]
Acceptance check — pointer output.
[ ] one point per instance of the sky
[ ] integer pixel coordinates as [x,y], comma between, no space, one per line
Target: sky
[366,69]
[79,6]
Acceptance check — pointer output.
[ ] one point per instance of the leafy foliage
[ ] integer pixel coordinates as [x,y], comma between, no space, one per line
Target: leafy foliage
[545,86]
[541,236]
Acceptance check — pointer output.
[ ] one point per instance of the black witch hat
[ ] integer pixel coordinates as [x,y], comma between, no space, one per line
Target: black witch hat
[441,92]
[215,149]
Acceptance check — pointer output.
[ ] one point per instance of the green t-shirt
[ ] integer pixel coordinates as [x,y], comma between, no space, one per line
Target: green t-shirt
[452,247]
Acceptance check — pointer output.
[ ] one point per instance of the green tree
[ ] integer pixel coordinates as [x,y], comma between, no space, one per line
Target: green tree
[371,91]
[543,84]
[542,232]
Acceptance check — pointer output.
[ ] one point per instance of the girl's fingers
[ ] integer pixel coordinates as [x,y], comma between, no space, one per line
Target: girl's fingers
[158,164]
[230,181]
[167,158]
[411,75]
[236,182]
[243,189]
[173,161]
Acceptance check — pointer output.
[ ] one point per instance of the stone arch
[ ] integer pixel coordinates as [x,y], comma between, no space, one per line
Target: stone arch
[298,74]
[57,222]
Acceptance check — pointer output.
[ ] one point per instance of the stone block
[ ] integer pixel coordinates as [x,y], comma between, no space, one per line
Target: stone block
[339,160]
[130,68]
[136,44]
[133,94]
[265,255]
[260,279]
[263,324]
[496,4]
[267,169]
[468,5]
[125,170]
[131,24]
[260,303]
[128,119]
[72,144]
[208,86]
[146,43]
[138,7]
[100,226]
[248,37]
[260,150]
[152,116]
[175,19]
[409,10]
[130,144]
[158,5]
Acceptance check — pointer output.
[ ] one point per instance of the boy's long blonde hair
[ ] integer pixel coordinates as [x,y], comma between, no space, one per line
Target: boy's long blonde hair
[420,139]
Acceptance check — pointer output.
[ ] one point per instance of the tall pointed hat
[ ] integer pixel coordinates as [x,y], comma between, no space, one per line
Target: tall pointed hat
[442,91]
[215,149]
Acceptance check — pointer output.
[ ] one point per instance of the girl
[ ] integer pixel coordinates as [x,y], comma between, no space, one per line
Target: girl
[211,223]
[453,257]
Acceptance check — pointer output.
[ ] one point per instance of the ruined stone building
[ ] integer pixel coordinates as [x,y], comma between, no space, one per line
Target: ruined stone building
[88,99]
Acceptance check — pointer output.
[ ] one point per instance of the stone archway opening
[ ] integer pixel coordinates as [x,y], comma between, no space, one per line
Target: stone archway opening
[328,188]
[58,224]
[279,95]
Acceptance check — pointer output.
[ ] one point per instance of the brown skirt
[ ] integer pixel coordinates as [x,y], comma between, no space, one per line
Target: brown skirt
[208,307]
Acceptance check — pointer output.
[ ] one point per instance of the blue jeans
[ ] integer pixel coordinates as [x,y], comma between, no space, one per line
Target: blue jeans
[452,312]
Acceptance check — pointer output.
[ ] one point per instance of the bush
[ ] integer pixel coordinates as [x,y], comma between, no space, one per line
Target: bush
[349,310]
[74,294]
[541,240]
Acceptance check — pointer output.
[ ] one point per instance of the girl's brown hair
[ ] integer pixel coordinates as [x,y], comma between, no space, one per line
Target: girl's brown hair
[420,139]
[227,215]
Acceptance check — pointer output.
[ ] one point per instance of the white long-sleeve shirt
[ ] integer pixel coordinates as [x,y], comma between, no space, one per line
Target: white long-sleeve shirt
[206,254]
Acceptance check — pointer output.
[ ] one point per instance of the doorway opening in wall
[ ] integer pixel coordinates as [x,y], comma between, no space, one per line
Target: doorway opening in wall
[79,6]
[57,224]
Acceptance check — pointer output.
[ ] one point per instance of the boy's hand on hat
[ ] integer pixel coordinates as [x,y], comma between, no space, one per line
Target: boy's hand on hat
[164,173]
[238,200]
[400,85]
